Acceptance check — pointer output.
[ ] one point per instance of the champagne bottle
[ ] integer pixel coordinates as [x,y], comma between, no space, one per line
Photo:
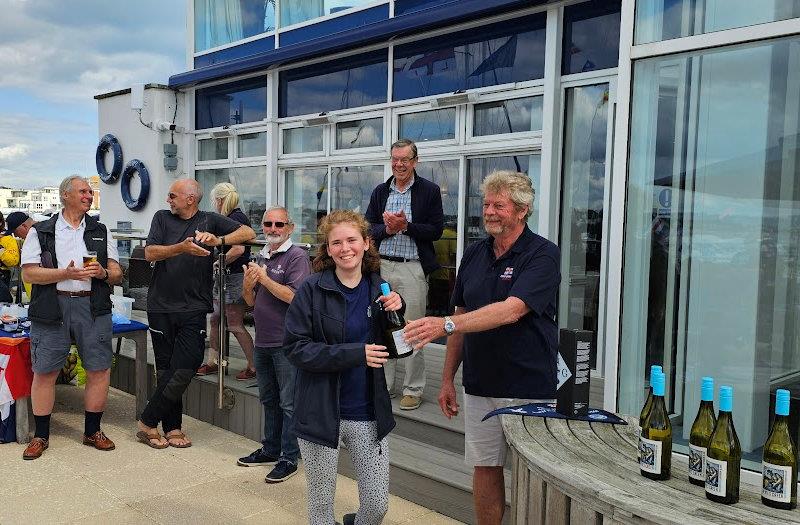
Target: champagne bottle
[655,440]
[649,401]
[396,345]
[779,488]
[724,455]
[700,434]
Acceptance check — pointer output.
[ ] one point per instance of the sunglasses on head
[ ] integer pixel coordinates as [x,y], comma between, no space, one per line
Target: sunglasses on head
[278,224]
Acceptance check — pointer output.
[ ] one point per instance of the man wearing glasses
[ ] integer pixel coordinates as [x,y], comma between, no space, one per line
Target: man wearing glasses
[270,287]
[405,215]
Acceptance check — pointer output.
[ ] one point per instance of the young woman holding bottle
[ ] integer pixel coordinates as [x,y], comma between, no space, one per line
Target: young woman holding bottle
[334,335]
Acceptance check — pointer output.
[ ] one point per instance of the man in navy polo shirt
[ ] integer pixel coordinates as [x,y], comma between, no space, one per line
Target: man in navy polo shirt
[503,329]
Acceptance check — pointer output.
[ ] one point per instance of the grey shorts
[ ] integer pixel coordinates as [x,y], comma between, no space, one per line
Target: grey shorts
[50,342]
[233,288]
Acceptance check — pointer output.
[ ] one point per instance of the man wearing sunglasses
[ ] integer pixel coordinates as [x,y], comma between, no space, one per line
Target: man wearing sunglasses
[269,288]
[405,215]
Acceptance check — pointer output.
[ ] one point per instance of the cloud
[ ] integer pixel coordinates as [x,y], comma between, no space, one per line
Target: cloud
[13,151]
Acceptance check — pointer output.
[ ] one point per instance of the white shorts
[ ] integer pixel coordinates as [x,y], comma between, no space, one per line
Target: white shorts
[484,442]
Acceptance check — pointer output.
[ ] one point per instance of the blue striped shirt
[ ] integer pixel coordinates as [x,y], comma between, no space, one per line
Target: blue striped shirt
[400,244]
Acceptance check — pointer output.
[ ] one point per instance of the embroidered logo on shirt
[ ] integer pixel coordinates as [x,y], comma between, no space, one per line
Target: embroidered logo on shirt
[507,274]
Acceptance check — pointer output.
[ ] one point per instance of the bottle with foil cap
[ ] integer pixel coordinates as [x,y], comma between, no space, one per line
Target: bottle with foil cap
[396,344]
[779,464]
[700,434]
[724,455]
[655,439]
[649,401]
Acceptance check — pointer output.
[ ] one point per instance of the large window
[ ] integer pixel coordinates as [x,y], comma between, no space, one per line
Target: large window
[231,103]
[250,183]
[666,19]
[511,51]
[296,11]
[711,269]
[514,115]
[591,36]
[350,82]
[220,22]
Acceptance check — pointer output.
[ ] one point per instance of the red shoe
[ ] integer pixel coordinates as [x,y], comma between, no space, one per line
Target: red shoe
[246,374]
[206,369]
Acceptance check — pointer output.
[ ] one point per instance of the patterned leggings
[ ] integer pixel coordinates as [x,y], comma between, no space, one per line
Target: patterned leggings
[371,462]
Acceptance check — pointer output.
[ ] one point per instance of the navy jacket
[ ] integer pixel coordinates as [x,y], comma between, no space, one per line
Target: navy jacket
[426,215]
[313,342]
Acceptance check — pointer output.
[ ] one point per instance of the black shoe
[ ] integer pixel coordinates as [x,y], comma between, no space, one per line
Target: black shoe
[257,458]
[349,519]
[282,471]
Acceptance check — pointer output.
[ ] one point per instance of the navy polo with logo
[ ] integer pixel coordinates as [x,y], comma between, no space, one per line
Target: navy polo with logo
[519,359]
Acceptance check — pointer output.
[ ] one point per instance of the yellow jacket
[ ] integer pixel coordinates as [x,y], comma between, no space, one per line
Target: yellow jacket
[9,252]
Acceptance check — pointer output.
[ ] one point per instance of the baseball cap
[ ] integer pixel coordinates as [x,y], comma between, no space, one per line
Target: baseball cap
[14,220]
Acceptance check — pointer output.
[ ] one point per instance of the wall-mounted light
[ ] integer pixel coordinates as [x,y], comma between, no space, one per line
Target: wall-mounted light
[319,120]
[454,99]
[221,133]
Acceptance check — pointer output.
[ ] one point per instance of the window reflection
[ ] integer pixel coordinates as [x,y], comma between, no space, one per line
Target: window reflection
[296,11]
[252,144]
[212,149]
[508,116]
[477,170]
[510,51]
[307,202]
[302,140]
[591,36]
[441,282]
[359,133]
[250,183]
[353,185]
[231,103]
[220,22]
[712,273]
[439,124]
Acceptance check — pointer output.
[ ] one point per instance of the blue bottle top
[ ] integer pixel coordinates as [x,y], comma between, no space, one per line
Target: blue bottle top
[653,370]
[385,290]
[782,402]
[707,389]
[726,399]
[658,384]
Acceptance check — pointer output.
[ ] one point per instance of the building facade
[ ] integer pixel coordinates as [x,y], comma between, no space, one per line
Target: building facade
[661,137]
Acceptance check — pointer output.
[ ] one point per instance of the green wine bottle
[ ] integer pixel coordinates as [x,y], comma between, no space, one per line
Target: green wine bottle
[700,434]
[655,440]
[393,338]
[724,455]
[648,404]
[779,487]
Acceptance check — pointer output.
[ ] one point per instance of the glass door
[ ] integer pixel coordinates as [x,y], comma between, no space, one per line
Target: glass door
[583,202]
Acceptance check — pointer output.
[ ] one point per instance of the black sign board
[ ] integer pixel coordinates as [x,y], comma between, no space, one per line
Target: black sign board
[572,398]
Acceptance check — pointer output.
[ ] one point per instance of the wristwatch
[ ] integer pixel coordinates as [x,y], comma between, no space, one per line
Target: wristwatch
[106,276]
[449,326]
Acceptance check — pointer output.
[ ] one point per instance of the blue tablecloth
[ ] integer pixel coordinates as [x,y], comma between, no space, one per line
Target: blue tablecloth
[117,329]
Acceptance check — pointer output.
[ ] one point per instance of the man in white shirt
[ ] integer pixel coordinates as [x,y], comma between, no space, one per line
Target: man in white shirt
[72,262]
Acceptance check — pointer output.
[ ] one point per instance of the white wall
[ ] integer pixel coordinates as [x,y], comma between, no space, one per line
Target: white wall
[140,142]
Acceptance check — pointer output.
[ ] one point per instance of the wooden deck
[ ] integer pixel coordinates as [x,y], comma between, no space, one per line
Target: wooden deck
[426,449]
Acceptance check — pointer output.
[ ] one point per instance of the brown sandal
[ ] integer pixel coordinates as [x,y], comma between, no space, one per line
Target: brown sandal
[177,435]
[148,437]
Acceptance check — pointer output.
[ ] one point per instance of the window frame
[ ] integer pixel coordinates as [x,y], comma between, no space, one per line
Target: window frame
[361,115]
[537,91]
[408,109]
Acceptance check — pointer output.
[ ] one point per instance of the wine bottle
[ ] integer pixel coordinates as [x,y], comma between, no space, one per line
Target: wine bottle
[655,440]
[724,455]
[779,486]
[395,343]
[700,434]
[648,403]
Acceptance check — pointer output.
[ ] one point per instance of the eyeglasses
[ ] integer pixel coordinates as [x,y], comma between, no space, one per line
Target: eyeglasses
[278,224]
[405,160]
[172,196]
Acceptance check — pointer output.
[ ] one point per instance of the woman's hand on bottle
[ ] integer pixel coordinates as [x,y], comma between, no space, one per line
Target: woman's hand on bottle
[391,302]
[376,355]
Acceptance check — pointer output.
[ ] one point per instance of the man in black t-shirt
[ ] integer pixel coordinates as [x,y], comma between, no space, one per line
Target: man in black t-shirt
[180,296]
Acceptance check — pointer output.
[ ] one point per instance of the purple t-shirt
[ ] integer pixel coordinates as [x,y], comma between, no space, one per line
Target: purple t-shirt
[288,268]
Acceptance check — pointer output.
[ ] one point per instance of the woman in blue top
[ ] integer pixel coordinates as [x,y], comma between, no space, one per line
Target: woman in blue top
[332,327]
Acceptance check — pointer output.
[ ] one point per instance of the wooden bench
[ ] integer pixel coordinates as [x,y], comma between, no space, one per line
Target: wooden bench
[567,472]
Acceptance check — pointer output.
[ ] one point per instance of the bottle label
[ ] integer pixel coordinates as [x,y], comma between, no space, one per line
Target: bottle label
[716,476]
[777,483]
[650,455]
[697,462]
[400,343]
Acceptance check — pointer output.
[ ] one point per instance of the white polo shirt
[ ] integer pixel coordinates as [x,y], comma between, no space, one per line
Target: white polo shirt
[70,246]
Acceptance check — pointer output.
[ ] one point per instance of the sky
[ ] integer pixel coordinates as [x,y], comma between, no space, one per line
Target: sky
[55,56]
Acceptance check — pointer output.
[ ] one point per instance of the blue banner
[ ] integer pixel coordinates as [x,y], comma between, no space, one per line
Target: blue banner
[549,410]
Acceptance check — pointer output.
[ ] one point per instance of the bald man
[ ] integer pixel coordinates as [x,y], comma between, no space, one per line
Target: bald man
[180,243]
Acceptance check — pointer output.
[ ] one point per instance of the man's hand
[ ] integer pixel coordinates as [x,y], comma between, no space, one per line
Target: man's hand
[395,222]
[420,332]
[376,355]
[209,239]
[96,269]
[447,400]
[189,246]
[77,274]
[253,274]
